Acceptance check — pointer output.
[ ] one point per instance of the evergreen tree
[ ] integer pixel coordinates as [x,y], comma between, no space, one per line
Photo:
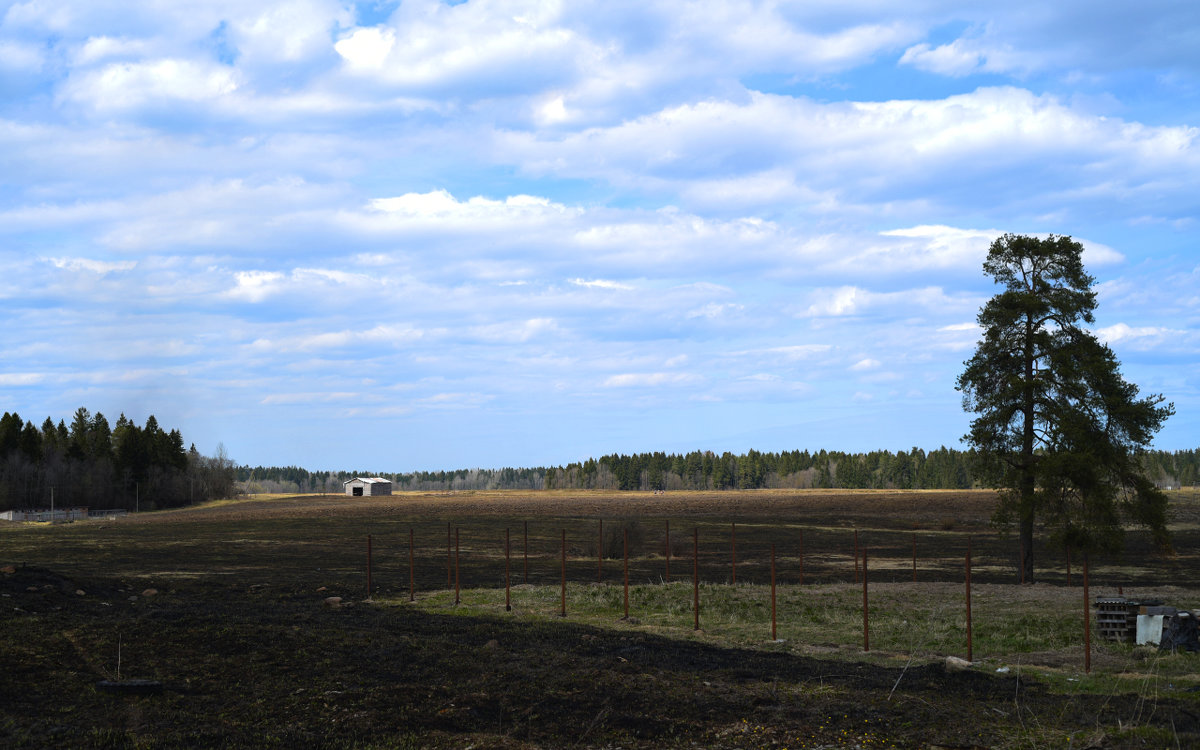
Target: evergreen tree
[1058,429]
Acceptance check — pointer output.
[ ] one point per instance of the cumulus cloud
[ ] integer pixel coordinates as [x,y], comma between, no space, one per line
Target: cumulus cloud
[255,286]
[1122,332]
[288,32]
[439,206]
[160,83]
[963,57]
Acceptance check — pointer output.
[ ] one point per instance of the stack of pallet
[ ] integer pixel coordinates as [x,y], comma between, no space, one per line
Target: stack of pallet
[1116,618]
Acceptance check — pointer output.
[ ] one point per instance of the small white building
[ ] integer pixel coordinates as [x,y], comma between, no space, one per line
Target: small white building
[370,486]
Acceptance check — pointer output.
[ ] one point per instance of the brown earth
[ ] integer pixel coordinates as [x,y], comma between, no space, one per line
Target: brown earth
[249,657]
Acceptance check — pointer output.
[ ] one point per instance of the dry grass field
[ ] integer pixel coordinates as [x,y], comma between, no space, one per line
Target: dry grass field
[224,606]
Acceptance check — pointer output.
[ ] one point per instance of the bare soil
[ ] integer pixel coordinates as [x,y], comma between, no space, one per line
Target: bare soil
[250,656]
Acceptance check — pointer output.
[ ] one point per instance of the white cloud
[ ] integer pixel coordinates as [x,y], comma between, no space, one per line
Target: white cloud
[310,398]
[385,334]
[600,284]
[792,353]
[367,49]
[846,300]
[94,266]
[20,56]
[845,153]
[440,207]
[159,83]
[454,400]
[864,365]
[713,310]
[965,56]
[290,31]
[955,59]
[516,331]
[432,45]
[21,378]
[1142,334]
[101,48]
[255,286]
[650,379]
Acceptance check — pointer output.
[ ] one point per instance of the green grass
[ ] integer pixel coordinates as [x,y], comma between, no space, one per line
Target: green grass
[1035,629]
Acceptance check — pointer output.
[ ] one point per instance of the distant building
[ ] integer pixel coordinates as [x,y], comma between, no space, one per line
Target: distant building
[45,514]
[360,486]
[108,513]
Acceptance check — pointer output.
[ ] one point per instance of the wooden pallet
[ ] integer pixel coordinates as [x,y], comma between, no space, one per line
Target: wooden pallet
[1116,618]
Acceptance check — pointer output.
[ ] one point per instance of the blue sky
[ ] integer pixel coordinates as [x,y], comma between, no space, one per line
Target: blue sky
[424,235]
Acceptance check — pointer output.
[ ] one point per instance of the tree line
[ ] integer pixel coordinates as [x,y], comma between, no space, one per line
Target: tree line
[98,465]
[943,468]
[259,479]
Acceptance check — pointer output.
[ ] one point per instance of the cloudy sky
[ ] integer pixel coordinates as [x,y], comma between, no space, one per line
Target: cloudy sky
[423,235]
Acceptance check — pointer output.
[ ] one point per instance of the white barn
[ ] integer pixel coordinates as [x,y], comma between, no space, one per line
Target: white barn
[360,486]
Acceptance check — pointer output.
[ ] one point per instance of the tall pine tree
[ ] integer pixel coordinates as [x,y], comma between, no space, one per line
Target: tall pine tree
[1058,430]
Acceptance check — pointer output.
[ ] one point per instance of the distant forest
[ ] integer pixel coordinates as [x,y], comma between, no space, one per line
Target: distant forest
[944,468]
[94,464]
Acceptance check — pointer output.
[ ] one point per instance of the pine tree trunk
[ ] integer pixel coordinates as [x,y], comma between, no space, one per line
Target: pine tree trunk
[1026,562]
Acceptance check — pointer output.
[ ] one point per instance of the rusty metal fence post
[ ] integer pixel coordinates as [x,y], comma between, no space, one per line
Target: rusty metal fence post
[914,557]
[456,579]
[696,578]
[600,554]
[564,573]
[368,566]
[1087,620]
[866,616]
[625,535]
[412,588]
[526,552]
[970,644]
[801,557]
[507,586]
[667,549]
[773,630]
[733,552]
[856,573]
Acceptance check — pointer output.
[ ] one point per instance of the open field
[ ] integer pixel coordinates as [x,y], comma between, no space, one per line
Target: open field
[248,654]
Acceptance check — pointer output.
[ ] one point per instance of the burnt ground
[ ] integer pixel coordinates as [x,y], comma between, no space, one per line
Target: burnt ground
[268,664]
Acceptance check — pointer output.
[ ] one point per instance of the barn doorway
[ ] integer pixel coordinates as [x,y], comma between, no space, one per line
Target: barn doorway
[357,491]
